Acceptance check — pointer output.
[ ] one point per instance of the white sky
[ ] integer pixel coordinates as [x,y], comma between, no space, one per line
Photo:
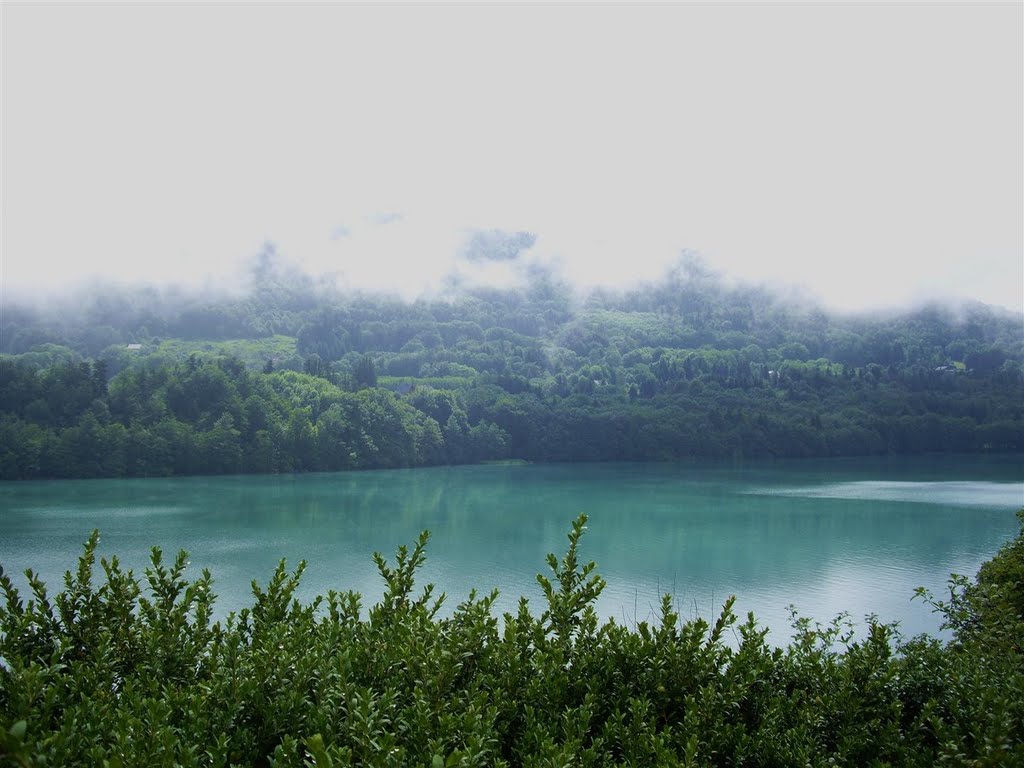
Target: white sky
[872,153]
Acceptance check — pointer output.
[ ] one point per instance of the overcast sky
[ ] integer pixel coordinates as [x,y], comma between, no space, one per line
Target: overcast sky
[872,153]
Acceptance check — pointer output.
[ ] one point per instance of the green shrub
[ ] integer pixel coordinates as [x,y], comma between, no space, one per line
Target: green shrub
[133,672]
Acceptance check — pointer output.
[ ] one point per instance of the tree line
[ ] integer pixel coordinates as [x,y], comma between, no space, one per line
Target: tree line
[305,378]
[214,416]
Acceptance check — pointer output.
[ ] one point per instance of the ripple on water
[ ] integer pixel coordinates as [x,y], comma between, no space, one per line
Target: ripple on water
[952,493]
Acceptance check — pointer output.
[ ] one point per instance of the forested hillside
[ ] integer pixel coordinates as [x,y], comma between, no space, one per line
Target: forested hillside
[284,372]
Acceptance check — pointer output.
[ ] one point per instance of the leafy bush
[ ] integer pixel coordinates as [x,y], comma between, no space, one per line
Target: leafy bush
[130,672]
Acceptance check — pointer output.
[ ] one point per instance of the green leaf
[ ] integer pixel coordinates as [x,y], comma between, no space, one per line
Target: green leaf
[315,745]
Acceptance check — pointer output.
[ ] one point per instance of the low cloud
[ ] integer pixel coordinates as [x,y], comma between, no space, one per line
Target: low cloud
[384,218]
[496,245]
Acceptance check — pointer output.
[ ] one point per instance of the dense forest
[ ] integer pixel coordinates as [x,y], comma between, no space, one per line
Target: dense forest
[284,372]
[112,670]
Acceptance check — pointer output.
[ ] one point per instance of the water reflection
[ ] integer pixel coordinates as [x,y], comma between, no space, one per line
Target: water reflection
[825,536]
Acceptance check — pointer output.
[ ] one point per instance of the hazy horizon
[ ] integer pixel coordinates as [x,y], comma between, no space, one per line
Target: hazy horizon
[870,155]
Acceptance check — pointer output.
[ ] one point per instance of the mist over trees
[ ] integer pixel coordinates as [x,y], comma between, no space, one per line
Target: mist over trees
[285,372]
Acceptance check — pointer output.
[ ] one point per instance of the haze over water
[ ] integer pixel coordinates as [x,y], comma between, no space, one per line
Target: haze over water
[825,536]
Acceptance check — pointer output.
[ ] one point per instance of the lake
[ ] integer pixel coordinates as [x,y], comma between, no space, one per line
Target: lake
[823,535]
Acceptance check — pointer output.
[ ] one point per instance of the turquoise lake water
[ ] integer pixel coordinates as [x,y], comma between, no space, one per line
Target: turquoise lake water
[824,536]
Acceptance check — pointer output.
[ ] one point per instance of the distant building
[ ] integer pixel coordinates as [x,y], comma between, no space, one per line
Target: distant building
[403,388]
[133,347]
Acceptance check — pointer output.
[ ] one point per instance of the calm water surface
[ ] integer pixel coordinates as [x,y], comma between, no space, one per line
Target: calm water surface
[824,536]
